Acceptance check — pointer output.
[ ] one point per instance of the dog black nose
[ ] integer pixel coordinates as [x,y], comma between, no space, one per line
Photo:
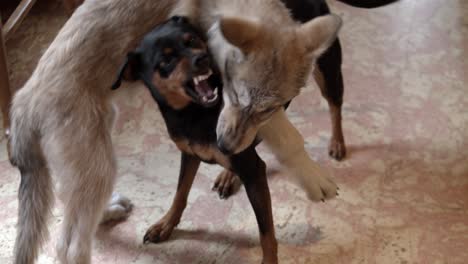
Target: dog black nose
[222,147]
[201,61]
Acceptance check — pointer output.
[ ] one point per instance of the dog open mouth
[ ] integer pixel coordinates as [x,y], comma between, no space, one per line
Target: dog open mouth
[204,89]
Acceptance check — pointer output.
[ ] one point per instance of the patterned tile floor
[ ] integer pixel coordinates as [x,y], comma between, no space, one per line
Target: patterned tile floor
[404,185]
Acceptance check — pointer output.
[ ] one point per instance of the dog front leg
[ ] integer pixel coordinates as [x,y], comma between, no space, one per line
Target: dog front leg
[252,171]
[161,231]
[287,144]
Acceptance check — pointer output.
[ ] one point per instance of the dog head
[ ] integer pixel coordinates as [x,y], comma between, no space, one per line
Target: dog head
[263,67]
[174,63]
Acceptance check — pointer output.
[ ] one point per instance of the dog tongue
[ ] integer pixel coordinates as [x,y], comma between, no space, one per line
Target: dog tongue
[204,89]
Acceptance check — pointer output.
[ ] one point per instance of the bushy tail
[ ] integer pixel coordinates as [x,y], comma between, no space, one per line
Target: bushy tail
[367,3]
[35,192]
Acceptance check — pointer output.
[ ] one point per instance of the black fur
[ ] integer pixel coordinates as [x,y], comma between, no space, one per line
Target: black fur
[368,3]
[194,123]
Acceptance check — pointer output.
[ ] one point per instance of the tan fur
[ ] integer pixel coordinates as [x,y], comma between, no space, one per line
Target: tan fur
[288,147]
[268,58]
[226,184]
[172,87]
[210,153]
[62,109]
[263,53]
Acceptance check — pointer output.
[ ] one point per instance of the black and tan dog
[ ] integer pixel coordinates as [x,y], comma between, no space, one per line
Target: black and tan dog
[174,63]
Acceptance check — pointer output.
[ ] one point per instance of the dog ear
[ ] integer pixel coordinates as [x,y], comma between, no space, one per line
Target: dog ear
[320,33]
[129,70]
[240,32]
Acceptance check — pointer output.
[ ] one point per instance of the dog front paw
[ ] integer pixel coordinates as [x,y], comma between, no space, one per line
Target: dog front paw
[320,188]
[159,232]
[118,208]
[226,184]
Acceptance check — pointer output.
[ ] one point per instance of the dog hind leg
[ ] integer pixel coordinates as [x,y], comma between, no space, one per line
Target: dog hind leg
[119,207]
[330,80]
[87,178]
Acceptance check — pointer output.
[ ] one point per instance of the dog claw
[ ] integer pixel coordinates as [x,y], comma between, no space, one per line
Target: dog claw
[160,231]
[146,239]
[324,194]
[226,184]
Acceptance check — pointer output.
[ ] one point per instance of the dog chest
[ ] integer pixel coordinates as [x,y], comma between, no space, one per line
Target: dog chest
[208,153]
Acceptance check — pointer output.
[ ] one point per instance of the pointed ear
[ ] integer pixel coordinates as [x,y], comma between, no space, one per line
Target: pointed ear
[240,32]
[129,70]
[319,33]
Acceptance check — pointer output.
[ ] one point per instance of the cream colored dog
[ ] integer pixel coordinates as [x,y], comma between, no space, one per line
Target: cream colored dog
[61,118]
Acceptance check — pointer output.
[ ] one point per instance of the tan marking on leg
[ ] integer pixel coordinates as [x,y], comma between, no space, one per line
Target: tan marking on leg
[163,228]
[337,148]
[269,248]
[204,152]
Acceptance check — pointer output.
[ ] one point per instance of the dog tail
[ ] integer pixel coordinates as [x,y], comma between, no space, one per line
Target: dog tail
[367,3]
[35,193]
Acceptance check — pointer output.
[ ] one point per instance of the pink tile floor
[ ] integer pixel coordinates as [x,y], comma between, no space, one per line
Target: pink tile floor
[404,184]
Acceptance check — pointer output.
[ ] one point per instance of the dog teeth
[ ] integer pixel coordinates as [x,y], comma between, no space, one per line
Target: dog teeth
[214,98]
[215,91]
[202,77]
[206,100]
